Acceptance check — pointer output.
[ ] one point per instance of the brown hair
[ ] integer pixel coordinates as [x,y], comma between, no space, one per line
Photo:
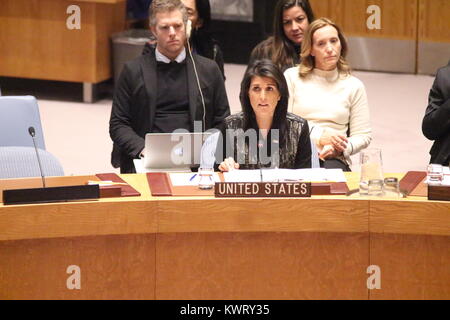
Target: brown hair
[159,6]
[308,62]
[282,48]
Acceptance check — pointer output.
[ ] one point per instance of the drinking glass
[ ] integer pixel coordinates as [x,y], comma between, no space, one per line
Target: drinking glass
[206,175]
[391,187]
[435,174]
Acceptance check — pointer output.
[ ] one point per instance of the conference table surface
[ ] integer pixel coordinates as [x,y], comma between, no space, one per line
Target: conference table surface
[201,247]
[149,214]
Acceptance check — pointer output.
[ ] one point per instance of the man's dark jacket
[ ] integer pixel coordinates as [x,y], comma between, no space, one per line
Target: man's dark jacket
[436,123]
[134,104]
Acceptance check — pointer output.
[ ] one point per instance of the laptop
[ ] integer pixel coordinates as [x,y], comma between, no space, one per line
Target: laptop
[171,151]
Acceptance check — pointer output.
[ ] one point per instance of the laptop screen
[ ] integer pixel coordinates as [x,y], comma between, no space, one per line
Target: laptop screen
[173,150]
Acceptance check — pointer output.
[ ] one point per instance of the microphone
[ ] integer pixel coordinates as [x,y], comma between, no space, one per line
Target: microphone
[32,133]
[50,194]
[260,145]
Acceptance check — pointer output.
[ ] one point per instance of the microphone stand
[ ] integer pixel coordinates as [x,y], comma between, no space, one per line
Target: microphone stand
[50,194]
[32,134]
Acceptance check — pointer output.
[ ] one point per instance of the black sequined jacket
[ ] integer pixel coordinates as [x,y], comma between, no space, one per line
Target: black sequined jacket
[251,152]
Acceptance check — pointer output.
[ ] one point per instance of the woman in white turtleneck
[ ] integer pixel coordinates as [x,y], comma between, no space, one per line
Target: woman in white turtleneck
[323,92]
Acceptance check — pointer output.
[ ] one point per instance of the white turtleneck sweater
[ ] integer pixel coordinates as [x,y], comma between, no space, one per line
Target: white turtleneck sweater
[329,100]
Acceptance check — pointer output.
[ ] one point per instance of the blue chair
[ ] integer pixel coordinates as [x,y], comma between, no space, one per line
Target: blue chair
[17,154]
[17,114]
[21,162]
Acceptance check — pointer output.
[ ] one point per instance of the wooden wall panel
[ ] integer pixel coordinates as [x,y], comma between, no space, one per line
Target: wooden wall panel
[112,267]
[410,217]
[434,21]
[398,17]
[262,266]
[36,43]
[412,266]
[77,219]
[245,215]
[110,19]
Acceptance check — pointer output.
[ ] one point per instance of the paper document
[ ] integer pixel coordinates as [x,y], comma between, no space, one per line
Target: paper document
[279,175]
[242,176]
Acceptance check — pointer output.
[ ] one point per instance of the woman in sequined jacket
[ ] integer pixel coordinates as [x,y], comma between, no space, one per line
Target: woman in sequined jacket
[264,134]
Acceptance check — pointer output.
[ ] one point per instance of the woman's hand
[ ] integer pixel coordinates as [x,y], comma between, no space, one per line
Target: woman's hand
[337,141]
[228,164]
[328,152]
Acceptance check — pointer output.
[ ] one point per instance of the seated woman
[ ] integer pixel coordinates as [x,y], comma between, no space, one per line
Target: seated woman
[291,19]
[323,91]
[264,134]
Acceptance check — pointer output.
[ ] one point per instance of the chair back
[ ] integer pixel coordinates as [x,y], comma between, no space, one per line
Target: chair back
[17,114]
[21,162]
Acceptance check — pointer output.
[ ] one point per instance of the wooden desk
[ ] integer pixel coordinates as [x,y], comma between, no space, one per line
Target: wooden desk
[36,43]
[204,248]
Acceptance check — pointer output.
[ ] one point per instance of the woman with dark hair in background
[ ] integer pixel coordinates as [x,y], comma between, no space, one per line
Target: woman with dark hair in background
[201,40]
[280,139]
[290,21]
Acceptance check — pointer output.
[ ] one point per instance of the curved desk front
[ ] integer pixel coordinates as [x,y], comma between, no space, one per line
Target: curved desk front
[205,248]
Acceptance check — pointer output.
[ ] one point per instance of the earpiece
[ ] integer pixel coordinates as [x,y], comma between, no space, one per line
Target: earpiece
[188,28]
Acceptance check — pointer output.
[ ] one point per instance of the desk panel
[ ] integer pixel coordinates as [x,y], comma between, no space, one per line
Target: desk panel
[259,215]
[412,266]
[284,265]
[410,217]
[111,267]
[77,219]
[205,248]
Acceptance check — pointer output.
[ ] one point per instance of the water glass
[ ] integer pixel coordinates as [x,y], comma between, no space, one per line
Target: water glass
[391,187]
[435,174]
[375,187]
[206,181]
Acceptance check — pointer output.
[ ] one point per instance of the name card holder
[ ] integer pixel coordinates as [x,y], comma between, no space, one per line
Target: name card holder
[262,189]
[50,194]
[440,193]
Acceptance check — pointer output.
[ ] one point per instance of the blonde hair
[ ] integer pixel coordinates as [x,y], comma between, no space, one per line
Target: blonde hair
[308,62]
